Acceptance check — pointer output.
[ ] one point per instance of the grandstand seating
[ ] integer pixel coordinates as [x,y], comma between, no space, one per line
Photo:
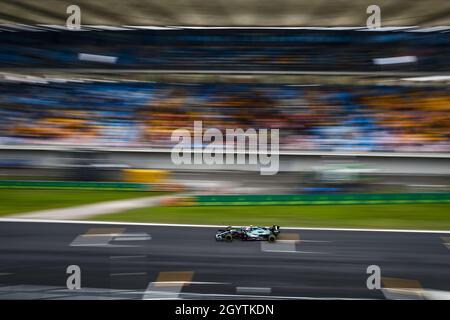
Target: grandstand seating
[143,114]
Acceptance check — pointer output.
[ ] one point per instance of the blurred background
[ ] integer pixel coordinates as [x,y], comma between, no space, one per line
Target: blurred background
[86,118]
[359,110]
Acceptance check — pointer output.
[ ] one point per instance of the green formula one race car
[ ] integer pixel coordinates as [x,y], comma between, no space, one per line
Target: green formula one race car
[249,233]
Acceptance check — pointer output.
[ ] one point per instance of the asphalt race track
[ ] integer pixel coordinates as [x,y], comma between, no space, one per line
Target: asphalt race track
[168,262]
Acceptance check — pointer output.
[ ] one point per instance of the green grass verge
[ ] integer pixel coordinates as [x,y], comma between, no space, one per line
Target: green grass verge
[25,200]
[402,216]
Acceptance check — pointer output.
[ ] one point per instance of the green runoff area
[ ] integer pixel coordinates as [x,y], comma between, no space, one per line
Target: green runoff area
[20,200]
[389,216]
[431,215]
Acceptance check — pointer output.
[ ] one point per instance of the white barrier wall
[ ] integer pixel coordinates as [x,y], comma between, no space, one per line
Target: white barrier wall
[383,163]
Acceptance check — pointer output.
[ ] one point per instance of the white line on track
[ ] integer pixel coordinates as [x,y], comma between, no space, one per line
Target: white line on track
[211,225]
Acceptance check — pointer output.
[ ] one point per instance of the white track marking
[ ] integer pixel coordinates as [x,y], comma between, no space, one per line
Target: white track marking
[210,225]
[132,237]
[285,246]
[91,241]
[162,291]
[287,241]
[446,242]
[402,294]
[103,240]
[279,246]
[436,294]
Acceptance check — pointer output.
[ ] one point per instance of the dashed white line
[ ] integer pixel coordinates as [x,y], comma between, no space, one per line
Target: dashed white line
[94,240]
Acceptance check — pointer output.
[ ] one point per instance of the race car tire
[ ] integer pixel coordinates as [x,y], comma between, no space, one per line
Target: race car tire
[271,238]
[228,238]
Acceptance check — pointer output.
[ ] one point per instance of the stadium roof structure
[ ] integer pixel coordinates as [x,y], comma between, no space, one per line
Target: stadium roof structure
[19,27]
[227,13]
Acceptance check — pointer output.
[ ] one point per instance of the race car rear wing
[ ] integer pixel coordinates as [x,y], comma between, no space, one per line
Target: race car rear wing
[275,229]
